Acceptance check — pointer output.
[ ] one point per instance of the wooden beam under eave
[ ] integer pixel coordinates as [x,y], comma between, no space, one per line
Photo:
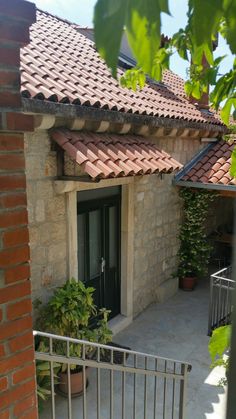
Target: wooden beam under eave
[227,194]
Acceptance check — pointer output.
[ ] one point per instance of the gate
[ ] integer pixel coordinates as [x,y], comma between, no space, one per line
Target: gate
[123,384]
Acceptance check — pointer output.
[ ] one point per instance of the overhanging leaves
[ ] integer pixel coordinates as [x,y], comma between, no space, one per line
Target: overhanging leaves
[109,20]
[227,108]
[143,28]
[224,88]
[233,164]
[132,79]
[204,20]
[142,22]
[230,23]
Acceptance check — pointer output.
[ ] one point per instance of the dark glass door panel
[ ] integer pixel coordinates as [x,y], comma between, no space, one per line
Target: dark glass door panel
[113,236]
[95,243]
[99,250]
[81,225]
[112,282]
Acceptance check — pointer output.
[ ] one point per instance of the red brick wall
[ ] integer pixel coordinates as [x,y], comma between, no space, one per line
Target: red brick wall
[17,370]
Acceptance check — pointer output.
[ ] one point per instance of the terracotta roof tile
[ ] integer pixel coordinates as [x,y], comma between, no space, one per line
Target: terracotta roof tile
[110,155]
[60,64]
[212,167]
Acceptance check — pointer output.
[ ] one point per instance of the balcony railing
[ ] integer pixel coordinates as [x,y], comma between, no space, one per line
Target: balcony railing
[220,306]
[122,383]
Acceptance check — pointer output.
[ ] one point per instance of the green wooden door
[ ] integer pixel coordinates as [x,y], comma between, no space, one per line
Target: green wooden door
[99,250]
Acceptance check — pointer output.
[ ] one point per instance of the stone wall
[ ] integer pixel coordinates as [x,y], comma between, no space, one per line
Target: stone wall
[157,210]
[47,217]
[157,214]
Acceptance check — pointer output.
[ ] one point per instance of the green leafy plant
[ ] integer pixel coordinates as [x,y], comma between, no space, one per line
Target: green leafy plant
[71,312]
[141,20]
[194,252]
[230,137]
[219,345]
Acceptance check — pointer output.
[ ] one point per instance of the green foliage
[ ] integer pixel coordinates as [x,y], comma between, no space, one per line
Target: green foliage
[219,344]
[229,137]
[201,77]
[203,24]
[233,164]
[71,312]
[225,90]
[132,79]
[142,22]
[194,252]
[109,18]
[141,19]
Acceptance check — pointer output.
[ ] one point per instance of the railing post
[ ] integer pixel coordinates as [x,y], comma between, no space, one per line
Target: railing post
[69,381]
[123,390]
[98,386]
[52,379]
[84,384]
[210,307]
[111,387]
[155,392]
[183,388]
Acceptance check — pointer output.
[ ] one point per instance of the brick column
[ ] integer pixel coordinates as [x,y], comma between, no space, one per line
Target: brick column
[17,369]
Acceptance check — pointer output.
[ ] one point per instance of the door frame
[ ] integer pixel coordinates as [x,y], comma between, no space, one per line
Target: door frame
[127,240]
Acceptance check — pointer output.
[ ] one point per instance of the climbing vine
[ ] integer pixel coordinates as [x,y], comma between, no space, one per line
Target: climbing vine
[194,252]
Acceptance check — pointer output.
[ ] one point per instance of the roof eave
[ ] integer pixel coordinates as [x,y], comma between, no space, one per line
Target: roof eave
[209,186]
[188,166]
[35,106]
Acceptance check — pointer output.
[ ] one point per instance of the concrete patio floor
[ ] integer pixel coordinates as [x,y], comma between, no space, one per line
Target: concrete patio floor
[176,329]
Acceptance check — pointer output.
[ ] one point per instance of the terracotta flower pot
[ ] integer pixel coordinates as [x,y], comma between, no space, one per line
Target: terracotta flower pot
[188,283]
[76,383]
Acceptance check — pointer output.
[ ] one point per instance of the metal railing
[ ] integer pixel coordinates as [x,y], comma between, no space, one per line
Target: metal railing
[220,305]
[122,383]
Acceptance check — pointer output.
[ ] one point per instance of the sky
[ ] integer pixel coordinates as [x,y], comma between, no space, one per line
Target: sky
[81,12]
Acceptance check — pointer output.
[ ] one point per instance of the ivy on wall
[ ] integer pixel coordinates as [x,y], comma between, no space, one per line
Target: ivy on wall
[194,252]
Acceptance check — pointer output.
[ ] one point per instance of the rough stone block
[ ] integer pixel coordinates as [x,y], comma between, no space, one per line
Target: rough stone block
[50,167]
[57,252]
[40,211]
[140,196]
[56,208]
[34,167]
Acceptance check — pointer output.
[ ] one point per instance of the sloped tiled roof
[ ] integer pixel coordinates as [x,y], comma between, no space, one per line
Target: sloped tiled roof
[212,167]
[60,64]
[110,155]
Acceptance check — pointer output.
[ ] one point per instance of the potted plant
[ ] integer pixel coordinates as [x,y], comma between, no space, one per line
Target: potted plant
[71,312]
[194,251]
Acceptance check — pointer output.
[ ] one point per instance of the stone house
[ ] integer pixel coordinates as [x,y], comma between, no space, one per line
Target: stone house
[101,203]
[97,163]
[210,170]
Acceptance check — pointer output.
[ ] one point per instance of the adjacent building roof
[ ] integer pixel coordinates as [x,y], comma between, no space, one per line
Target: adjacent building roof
[211,167]
[60,64]
[112,156]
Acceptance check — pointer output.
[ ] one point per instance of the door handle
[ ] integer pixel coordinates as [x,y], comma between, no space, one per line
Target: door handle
[103,264]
